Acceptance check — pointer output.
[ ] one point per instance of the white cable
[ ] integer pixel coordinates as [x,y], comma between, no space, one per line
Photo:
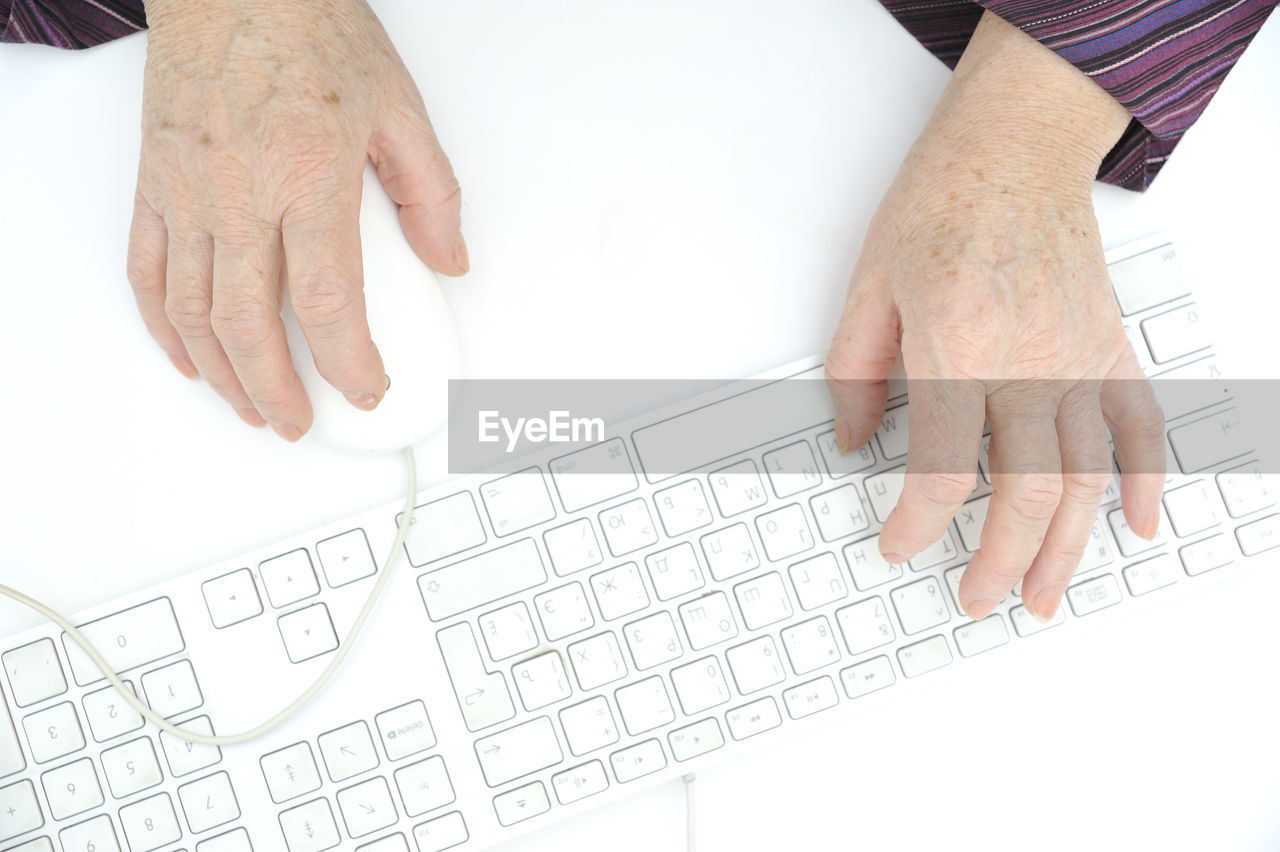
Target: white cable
[690,813]
[406,518]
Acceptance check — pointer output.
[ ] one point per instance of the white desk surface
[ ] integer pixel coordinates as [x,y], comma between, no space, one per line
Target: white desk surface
[642,181]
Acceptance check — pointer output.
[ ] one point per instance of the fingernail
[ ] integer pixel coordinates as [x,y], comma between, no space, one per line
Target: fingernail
[252,417]
[1046,603]
[894,557]
[184,366]
[287,431]
[1150,527]
[460,256]
[842,435]
[980,608]
[363,401]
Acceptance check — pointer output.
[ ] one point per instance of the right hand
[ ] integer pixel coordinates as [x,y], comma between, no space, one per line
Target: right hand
[257,120]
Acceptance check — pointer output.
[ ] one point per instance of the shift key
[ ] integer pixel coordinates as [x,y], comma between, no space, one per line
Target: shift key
[482,579]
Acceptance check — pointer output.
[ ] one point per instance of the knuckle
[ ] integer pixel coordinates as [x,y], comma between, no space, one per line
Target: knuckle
[188,313]
[325,302]
[945,489]
[143,271]
[1148,423]
[1087,485]
[1035,497]
[243,323]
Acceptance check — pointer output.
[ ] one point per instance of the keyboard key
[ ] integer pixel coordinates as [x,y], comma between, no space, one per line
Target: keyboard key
[40,844]
[54,733]
[593,475]
[644,705]
[884,489]
[516,752]
[1258,536]
[589,725]
[441,833]
[522,803]
[683,507]
[72,789]
[1130,542]
[185,757]
[924,656]
[367,807]
[784,532]
[737,488]
[755,718]
[867,566]
[730,552]
[405,730]
[920,605]
[237,840]
[482,579]
[1097,552]
[150,823]
[1027,624]
[128,639]
[763,600]
[232,598]
[970,520]
[1246,489]
[1152,574]
[97,834]
[289,578]
[541,680]
[755,665]
[1208,442]
[839,512]
[209,802]
[11,759]
[865,625]
[348,751]
[1207,554]
[290,772]
[1148,279]
[517,502]
[1193,508]
[809,698]
[708,621]
[578,783]
[131,768]
[628,527]
[346,558]
[674,571]
[21,809]
[818,581]
[508,631]
[34,672]
[573,547]
[308,633]
[842,464]
[108,714]
[564,611]
[941,551]
[792,469]
[700,685]
[619,591]
[652,640]
[424,786]
[1176,333]
[172,689]
[810,645]
[864,678]
[310,827]
[443,528]
[978,636]
[1093,595]
[1191,387]
[695,740]
[597,661]
[638,761]
[892,434]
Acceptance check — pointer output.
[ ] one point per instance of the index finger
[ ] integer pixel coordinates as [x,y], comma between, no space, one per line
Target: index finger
[326,289]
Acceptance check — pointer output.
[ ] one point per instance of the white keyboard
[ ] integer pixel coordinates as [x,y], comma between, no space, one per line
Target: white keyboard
[555,640]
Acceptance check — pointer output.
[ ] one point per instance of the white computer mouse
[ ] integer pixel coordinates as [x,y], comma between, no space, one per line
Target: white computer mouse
[414,330]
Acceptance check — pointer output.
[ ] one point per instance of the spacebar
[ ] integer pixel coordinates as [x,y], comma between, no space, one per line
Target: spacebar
[482,579]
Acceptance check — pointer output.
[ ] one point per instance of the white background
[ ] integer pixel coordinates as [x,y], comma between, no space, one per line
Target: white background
[660,189]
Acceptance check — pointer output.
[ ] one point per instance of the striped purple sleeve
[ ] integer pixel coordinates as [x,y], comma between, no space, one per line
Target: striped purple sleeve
[1162,59]
[70,24]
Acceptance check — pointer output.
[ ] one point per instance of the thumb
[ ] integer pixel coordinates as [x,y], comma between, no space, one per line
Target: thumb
[417,175]
[863,351]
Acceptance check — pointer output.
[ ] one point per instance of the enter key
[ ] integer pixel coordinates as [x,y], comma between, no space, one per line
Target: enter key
[482,696]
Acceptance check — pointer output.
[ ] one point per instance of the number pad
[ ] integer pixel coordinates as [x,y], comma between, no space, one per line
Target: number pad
[54,733]
[150,824]
[131,768]
[108,714]
[72,789]
[96,834]
[35,674]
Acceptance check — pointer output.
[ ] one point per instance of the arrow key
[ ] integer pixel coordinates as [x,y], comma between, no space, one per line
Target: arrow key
[310,827]
[522,803]
[232,598]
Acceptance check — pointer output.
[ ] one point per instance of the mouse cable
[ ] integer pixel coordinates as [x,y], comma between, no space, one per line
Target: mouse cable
[402,532]
[690,813]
